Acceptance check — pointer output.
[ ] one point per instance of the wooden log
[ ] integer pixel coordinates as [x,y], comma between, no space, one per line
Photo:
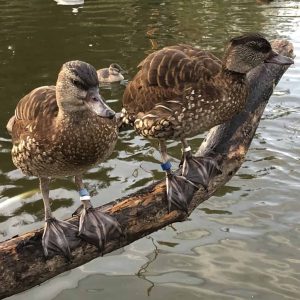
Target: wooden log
[22,262]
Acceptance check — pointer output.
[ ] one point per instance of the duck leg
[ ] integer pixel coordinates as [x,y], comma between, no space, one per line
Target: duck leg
[180,190]
[199,170]
[59,237]
[94,226]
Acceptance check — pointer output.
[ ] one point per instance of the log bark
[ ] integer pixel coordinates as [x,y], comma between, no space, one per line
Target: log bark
[22,262]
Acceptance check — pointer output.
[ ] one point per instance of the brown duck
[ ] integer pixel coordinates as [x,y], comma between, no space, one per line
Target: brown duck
[111,74]
[181,91]
[65,130]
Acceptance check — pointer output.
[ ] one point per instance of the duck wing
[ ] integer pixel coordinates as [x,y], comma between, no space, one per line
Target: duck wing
[34,113]
[166,74]
[196,53]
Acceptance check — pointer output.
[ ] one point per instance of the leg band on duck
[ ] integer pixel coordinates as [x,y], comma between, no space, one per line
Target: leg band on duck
[187,149]
[166,166]
[84,195]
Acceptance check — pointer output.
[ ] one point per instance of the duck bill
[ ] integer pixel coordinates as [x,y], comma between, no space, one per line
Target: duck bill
[278,59]
[97,104]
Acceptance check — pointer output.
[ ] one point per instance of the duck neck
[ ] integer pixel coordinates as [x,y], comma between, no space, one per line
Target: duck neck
[232,76]
[74,116]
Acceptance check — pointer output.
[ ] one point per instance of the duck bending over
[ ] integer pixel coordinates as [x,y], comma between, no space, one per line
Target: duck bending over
[65,130]
[111,74]
[181,91]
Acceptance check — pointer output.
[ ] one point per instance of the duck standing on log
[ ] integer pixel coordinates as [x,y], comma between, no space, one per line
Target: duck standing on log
[65,130]
[181,91]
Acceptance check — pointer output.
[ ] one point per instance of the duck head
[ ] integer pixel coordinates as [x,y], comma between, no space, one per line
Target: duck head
[77,89]
[250,50]
[115,69]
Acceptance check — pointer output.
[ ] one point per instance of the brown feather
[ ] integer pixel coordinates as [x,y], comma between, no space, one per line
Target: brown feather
[165,74]
[46,143]
[182,86]
[38,109]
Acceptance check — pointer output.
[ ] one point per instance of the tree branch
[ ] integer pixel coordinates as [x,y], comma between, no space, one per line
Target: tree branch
[22,261]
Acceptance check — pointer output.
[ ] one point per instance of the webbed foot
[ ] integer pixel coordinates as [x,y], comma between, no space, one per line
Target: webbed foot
[180,191]
[199,170]
[95,227]
[59,237]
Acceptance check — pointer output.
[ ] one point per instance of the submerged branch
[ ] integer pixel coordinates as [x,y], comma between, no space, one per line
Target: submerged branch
[22,261]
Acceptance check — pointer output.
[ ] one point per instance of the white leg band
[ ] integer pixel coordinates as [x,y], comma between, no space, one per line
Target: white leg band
[187,149]
[85,198]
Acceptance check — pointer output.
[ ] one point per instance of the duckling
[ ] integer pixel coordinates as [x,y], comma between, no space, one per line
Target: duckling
[111,74]
[65,130]
[181,91]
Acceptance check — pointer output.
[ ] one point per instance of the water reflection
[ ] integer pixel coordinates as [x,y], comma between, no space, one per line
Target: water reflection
[240,244]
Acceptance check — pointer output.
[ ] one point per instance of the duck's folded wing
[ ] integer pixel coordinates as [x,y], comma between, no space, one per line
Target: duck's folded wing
[166,73]
[210,61]
[36,110]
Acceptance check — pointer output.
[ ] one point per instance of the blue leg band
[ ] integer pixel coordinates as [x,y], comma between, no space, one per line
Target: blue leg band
[83,192]
[84,195]
[166,166]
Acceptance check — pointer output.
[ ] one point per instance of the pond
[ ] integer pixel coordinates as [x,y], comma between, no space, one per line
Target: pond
[243,243]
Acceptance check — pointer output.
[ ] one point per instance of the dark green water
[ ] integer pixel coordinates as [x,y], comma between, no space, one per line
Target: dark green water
[241,244]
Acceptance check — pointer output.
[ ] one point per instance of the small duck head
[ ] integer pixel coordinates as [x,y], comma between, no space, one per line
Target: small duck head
[250,50]
[77,89]
[115,69]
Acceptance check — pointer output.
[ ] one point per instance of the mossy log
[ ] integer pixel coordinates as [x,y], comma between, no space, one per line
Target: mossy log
[22,262]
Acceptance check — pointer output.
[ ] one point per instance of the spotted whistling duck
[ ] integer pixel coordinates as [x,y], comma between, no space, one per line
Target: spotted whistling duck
[181,91]
[65,130]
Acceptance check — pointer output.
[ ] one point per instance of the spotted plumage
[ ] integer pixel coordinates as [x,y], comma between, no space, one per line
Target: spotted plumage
[181,91]
[65,130]
[49,143]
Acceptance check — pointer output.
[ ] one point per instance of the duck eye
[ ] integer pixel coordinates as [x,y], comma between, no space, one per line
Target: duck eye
[78,84]
[259,46]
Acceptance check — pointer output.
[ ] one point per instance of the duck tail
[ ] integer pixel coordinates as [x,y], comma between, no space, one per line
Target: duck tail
[10,124]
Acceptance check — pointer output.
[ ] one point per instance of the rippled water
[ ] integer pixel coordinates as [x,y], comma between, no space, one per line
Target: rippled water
[243,243]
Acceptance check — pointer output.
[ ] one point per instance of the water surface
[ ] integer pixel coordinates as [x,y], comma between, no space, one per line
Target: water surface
[243,243]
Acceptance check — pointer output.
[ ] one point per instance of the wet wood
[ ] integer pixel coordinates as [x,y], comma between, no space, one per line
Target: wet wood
[22,263]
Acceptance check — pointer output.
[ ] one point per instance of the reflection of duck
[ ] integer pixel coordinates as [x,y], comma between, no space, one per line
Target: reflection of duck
[64,131]
[181,91]
[111,74]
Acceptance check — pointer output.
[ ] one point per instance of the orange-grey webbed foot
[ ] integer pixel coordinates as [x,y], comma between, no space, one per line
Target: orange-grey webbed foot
[199,170]
[59,237]
[95,226]
[180,191]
